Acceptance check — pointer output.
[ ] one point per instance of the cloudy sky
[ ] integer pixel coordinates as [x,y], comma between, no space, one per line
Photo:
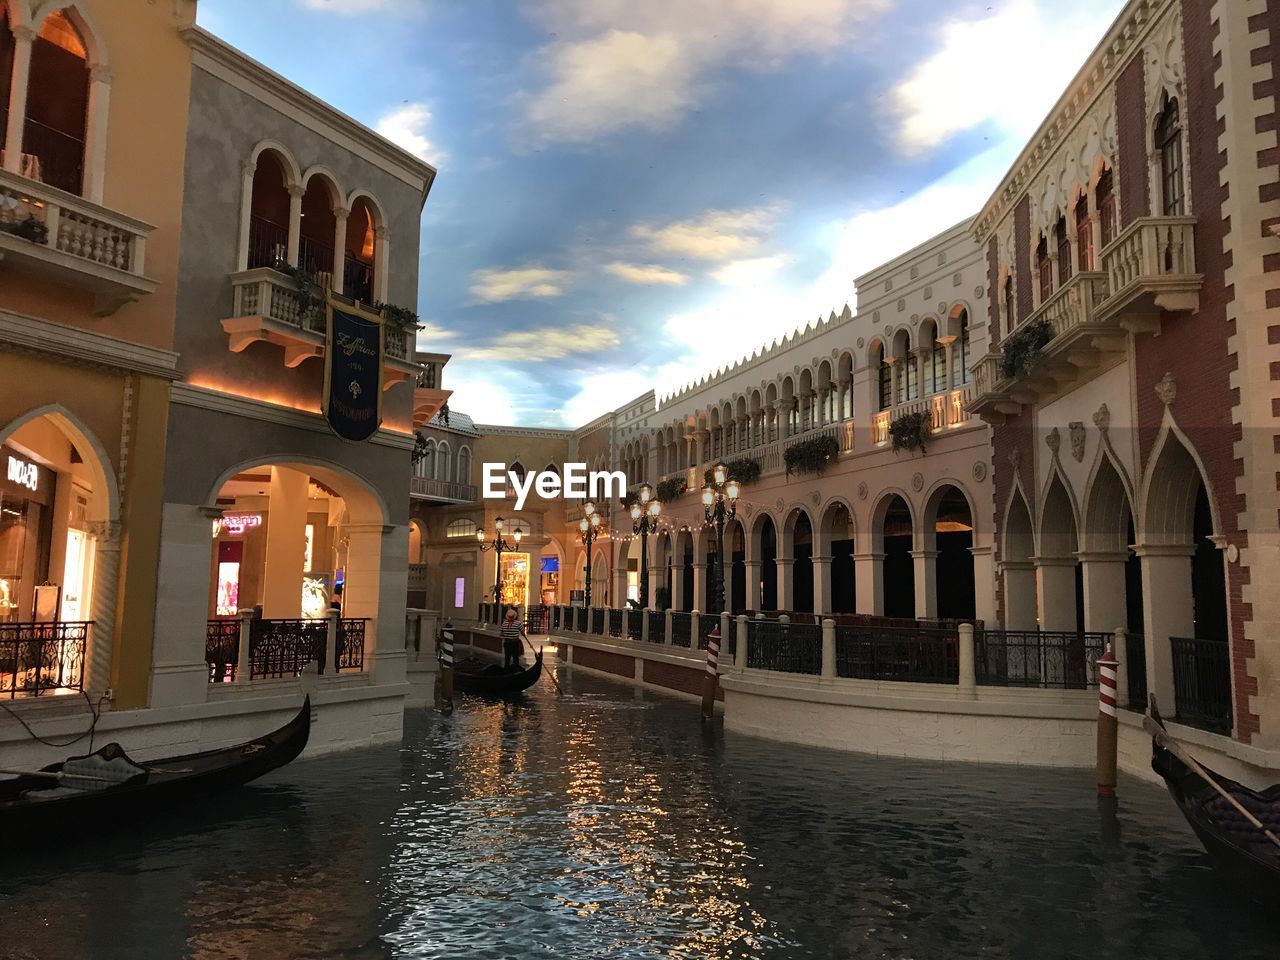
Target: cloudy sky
[633,194]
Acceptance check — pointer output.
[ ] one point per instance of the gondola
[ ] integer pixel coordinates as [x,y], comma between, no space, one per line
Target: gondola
[1238,847]
[97,790]
[470,676]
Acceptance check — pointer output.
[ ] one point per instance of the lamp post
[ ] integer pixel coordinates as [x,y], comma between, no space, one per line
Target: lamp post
[719,505]
[644,521]
[589,527]
[497,544]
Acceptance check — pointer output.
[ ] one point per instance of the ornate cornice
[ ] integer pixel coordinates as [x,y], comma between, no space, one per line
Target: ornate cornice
[76,345]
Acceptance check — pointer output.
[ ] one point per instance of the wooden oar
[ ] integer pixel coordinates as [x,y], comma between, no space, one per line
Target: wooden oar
[551,676]
[55,775]
[1161,736]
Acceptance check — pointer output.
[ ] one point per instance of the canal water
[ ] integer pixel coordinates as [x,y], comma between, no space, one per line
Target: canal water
[607,822]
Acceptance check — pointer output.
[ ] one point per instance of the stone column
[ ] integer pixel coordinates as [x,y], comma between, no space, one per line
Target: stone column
[821,584]
[752,600]
[95,141]
[984,584]
[677,583]
[340,214]
[1168,611]
[923,359]
[828,671]
[1019,595]
[868,574]
[286,544]
[296,192]
[948,344]
[656,579]
[381,262]
[1056,588]
[1104,591]
[740,653]
[925,565]
[786,583]
[699,584]
[106,583]
[23,38]
[246,212]
[895,373]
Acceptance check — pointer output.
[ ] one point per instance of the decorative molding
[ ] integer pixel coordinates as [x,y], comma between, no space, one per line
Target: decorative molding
[862,491]
[1167,389]
[917,482]
[203,398]
[1053,440]
[979,471]
[1102,419]
[1076,432]
[83,347]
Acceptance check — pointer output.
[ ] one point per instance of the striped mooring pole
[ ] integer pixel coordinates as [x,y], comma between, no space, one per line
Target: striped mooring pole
[713,674]
[1108,728]
[446,667]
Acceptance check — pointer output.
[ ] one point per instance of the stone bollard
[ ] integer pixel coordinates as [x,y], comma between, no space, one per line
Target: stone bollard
[1108,727]
[726,625]
[666,636]
[828,649]
[645,614]
[740,655]
[712,676]
[968,681]
[243,667]
[693,630]
[331,644]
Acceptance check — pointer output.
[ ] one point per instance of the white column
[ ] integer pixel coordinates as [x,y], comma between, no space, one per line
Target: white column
[296,192]
[1104,591]
[677,583]
[381,263]
[180,674]
[286,544]
[1168,611]
[699,585]
[1019,596]
[1056,587]
[95,141]
[740,654]
[340,214]
[246,212]
[949,344]
[868,575]
[968,681]
[106,585]
[821,585]
[753,584]
[984,584]
[925,565]
[786,584]
[23,38]
[828,649]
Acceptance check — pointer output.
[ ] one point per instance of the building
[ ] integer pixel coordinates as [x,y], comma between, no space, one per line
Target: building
[94,100]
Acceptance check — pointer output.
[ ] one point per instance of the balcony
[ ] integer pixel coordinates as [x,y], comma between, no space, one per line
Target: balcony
[71,241]
[427,402]
[1149,270]
[268,306]
[947,411]
[442,491]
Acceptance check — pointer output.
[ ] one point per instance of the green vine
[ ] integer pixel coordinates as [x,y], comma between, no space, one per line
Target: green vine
[310,303]
[811,456]
[745,470]
[671,489]
[28,229]
[1022,348]
[402,318]
[911,431]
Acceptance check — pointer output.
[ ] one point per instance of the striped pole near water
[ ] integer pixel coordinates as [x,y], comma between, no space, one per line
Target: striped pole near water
[446,667]
[713,674]
[1108,727]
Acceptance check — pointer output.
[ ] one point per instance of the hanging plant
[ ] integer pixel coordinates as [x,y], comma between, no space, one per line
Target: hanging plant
[306,289]
[443,413]
[420,448]
[1022,348]
[745,470]
[671,489]
[911,431]
[811,456]
[402,318]
[28,229]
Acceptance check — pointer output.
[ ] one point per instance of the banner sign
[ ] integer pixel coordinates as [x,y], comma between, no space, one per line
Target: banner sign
[353,374]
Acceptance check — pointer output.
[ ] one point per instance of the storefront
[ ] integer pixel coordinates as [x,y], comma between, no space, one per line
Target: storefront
[550,585]
[515,579]
[27,492]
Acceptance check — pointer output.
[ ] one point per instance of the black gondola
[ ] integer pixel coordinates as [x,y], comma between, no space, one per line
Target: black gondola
[100,788]
[1237,846]
[473,676]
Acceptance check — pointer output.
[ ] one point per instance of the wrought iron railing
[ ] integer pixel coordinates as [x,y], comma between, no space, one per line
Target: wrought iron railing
[537,618]
[657,626]
[1031,658]
[597,621]
[635,624]
[581,618]
[680,626]
[615,622]
[61,155]
[222,648]
[706,623]
[42,658]
[1135,651]
[925,655]
[281,648]
[784,647]
[268,242]
[350,651]
[1202,683]
[556,613]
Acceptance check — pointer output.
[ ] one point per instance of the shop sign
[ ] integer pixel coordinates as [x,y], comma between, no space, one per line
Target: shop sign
[236,523]
[353,374]
[24,473]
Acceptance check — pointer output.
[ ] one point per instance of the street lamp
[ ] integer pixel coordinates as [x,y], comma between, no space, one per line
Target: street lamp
[719,505]
[644,521]
[497,544]
[589,527]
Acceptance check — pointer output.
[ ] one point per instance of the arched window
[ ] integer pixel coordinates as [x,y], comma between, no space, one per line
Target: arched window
[360,256]
[1044,268]
[317,228]
[885,375]
[1105,204]
[460,528]
[962,347]
[268,212]
[1064,250]
[1084,233]
[464,465]
[1009,319]
[444,462]
[1169,144]
[57,104]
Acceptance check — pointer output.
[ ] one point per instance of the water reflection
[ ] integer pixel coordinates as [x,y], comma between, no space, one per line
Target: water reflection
[609,824]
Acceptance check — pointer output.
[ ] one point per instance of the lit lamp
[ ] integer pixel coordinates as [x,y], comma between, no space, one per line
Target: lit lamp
[589,527]
[719,505]
[644,521]
[498,545]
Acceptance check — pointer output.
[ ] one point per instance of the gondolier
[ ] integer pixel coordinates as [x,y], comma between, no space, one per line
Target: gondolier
[511,632]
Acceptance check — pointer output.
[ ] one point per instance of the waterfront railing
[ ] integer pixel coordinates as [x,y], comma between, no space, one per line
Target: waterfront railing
[681,627]
[1063,660]
[924,654]
[276,648]
[42,658]
[784,647]
[1135,650]
[1202,683]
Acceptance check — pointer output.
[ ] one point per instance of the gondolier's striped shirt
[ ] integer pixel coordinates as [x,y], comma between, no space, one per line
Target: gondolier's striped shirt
[511,631]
